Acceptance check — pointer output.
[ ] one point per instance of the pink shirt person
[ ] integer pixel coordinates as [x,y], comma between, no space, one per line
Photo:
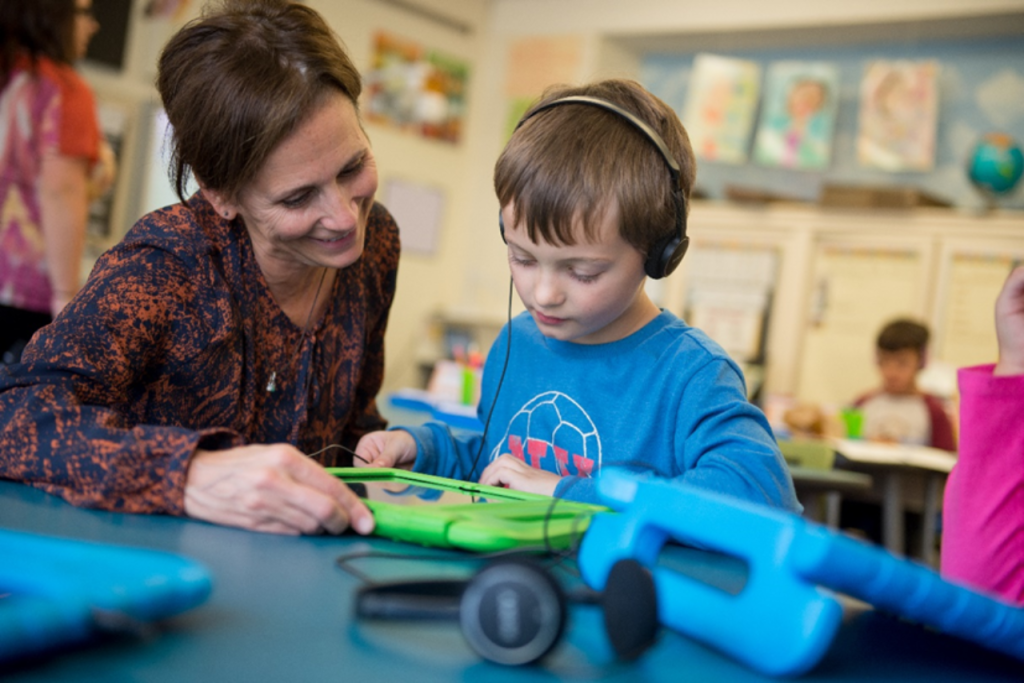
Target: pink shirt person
[983,512]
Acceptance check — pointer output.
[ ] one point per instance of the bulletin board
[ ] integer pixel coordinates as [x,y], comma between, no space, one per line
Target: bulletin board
[855,291]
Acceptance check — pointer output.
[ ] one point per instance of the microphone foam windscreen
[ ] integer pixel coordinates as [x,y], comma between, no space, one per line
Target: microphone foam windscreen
[630,606]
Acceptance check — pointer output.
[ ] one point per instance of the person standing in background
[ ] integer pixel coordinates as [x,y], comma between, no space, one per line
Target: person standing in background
[53,162]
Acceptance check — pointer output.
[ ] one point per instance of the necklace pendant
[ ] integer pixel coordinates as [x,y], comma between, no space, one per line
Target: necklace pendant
[272,382]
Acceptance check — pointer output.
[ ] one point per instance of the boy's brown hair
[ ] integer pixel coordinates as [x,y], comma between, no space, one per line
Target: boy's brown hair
[903,334]
[574,160]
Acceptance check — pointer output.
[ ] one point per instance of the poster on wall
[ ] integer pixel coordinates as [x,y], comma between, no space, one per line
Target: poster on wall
[798,115]
[166,9]
[720,107]
[416,89]
[898,115]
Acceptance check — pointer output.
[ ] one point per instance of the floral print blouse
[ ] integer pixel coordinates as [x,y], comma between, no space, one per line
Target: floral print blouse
[176,343]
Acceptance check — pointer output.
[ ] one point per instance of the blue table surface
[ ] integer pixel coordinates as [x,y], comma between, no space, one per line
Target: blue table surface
[282,611]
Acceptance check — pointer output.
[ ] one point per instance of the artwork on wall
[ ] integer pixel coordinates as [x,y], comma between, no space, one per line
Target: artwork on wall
[415,89]
[898,115]
[798,115]
[720,107]
[166,9]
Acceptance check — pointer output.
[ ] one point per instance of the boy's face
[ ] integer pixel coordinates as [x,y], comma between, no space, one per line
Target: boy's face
[899,370]
[588,293]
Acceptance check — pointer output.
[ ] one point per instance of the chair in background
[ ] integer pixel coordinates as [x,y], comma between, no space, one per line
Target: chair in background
[810,463]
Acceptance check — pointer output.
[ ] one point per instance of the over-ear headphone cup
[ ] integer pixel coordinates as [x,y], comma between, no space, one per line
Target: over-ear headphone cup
[630,606]
[512,612]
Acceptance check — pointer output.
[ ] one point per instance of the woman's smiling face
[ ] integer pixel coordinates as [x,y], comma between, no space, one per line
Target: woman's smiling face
[309,204]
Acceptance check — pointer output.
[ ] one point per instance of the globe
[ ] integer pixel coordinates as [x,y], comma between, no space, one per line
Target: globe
[996,163]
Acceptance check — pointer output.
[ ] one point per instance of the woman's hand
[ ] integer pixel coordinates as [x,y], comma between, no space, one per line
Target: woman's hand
[386,449]
[103,172]
[272,488]
[511,472]
[1010,325]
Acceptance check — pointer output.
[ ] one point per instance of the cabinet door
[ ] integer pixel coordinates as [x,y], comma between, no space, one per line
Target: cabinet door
[971,274]
[857,287]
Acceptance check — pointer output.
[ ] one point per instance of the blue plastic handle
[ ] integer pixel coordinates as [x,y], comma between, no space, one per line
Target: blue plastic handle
[60,590]
[785,616]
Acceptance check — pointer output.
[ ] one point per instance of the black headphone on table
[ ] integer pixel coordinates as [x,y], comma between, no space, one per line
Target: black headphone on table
[513,611]
[666,253]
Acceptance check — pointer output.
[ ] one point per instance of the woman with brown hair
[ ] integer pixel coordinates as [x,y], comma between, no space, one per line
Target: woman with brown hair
[230,334]
[53,161]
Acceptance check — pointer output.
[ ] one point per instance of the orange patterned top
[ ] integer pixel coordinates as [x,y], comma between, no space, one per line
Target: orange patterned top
[170,347]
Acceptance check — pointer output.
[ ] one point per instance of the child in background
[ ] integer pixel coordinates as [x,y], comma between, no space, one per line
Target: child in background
[597,375]
[898,412]
[983,511]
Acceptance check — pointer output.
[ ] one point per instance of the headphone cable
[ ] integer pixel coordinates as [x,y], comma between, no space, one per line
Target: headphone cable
[501,380]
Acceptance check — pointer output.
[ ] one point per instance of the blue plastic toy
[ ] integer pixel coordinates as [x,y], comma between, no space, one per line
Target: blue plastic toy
[56,592]
[785,617]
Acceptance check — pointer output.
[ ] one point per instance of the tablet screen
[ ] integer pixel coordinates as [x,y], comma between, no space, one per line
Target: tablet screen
[403,493]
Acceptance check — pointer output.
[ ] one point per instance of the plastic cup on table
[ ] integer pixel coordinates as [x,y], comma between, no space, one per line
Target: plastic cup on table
[853,419]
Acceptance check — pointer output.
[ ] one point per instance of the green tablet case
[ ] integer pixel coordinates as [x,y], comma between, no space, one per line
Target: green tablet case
[417,510]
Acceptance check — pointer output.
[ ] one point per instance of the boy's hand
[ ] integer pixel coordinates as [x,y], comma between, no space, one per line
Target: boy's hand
[511,472]
[386,449]
[1010,325]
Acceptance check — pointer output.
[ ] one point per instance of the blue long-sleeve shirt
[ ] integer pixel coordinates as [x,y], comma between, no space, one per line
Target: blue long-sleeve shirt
[666,401]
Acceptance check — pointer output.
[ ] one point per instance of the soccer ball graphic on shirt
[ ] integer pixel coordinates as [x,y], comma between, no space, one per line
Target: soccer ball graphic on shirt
[553,432]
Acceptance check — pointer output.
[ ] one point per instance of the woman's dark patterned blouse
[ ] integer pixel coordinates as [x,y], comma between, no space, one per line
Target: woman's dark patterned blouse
[171,346]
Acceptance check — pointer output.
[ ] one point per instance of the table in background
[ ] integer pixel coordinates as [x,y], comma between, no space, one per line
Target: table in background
[811,484]
[893,465]
[282,611]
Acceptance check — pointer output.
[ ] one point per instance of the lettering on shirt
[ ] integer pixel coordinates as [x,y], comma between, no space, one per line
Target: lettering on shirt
[552,432]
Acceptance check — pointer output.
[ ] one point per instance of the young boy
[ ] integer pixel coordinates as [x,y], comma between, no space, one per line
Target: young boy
[596,374]
[898,412]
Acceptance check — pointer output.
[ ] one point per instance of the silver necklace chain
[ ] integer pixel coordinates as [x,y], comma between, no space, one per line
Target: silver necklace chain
[272,382]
